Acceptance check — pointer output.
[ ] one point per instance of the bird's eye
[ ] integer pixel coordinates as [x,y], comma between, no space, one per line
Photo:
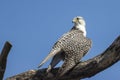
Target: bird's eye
[77,18]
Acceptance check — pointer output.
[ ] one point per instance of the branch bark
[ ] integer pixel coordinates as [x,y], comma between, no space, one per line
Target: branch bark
[82,70]
[3,58]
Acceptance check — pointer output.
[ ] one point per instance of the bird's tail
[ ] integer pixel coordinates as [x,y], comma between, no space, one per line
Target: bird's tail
[46,59]
[51,54]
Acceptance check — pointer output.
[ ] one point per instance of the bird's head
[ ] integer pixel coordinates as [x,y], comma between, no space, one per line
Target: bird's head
[79,21]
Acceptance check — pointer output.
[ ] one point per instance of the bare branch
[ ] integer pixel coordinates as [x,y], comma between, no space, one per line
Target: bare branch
[82,70]
[3,58]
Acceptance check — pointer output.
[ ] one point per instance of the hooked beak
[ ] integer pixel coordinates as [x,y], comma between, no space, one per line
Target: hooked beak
[74,20]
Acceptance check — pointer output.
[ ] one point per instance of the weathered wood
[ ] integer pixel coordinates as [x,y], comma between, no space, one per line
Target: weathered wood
[82,70]
[3,58]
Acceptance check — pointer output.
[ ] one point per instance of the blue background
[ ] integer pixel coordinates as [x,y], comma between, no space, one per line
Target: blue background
[33,26]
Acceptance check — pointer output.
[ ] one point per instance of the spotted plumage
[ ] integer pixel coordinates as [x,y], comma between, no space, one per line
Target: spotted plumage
[70,48]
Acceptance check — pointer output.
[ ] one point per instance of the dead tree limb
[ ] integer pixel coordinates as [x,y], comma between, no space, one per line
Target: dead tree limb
[82,70]
[3,58]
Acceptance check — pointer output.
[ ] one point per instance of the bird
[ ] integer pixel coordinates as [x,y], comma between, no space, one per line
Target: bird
[70,48]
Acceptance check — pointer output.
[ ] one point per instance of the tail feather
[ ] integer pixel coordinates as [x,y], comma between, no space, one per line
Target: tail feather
[52,53]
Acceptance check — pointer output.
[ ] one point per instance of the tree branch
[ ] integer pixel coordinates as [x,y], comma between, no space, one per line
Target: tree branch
[3,58]
[82,70]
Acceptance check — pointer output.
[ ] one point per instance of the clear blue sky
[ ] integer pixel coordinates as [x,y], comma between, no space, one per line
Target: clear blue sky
[33,26]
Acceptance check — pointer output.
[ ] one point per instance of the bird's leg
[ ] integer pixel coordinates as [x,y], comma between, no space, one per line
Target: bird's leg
[49,69]
[66,67]
[56,59]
